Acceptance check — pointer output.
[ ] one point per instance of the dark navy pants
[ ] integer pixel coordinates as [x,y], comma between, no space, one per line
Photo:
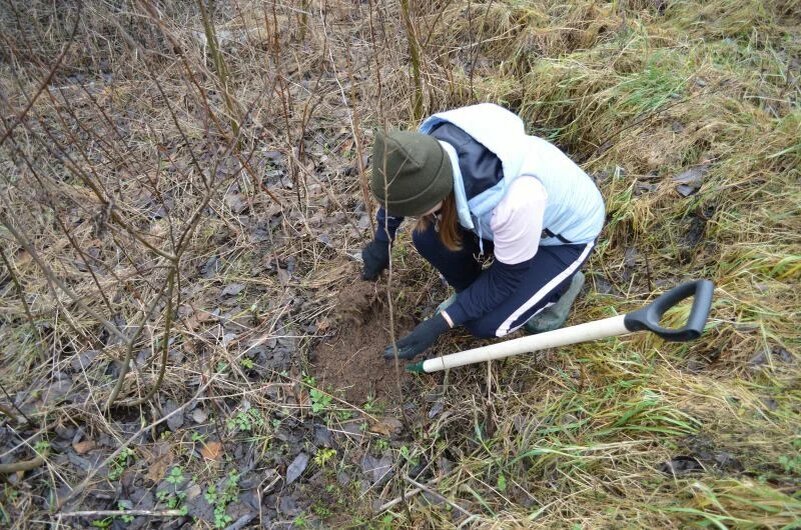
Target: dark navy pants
[547,277]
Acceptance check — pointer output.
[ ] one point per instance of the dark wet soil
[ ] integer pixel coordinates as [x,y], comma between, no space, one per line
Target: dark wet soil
[351,363]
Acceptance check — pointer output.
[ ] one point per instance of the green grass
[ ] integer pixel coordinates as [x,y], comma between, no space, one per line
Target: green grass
[705,82]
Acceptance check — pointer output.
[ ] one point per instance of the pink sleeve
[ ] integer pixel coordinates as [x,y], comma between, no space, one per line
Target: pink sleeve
[517,221]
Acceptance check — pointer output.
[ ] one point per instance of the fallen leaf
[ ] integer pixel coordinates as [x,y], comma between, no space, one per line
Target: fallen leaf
[199,415]
[283,276]
[203,315]
[690,181]
[436,408]
[232,289]
[22,258]
[212,451]
[175,421]
[387,427]
[236,203]
[193,491]
[158,468]
[84,446]
[296,468]
[377,470]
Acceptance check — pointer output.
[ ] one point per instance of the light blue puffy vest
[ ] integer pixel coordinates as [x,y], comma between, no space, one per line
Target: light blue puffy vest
[574,209]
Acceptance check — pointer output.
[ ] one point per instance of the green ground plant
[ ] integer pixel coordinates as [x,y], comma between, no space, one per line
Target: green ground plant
[120,464]
[220,499]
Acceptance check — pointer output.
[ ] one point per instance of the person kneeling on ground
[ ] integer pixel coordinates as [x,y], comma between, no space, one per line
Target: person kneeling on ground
[478,185]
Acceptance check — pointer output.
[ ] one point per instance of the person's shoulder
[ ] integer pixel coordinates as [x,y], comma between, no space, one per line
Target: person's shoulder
[526,187]
[524,193]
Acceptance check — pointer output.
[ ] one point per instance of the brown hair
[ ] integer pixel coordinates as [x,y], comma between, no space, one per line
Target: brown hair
[448,219]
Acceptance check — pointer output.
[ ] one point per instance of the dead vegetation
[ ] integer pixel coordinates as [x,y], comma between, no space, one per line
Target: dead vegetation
[183,197]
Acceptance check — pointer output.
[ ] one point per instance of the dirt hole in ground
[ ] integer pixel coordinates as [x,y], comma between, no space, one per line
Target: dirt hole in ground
[351,364]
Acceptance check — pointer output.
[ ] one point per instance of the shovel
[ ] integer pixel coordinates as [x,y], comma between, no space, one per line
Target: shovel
[644,319]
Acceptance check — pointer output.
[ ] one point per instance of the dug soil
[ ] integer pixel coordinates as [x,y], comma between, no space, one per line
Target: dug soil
[351,364]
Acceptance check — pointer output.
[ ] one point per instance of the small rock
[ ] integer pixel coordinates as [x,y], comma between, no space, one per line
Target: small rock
[58,390]
[241,522]
[227,338]
[353,427]
[80,463]
[760,359]
[65,432]
[630,257]
[645,187]
[200,508]
[602,285]
[283,276]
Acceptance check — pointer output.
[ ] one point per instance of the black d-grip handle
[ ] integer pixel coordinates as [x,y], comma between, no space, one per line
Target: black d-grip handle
[649,316]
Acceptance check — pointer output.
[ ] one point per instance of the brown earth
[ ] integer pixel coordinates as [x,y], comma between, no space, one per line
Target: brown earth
[351,363]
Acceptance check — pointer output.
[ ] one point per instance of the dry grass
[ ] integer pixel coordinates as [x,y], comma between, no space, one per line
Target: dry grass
[248,136]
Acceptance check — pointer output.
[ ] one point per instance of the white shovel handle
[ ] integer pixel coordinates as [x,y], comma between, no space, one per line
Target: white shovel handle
[644,319]
[597,329]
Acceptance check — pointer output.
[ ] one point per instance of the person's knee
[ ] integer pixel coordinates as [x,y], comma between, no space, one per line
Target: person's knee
[483,328]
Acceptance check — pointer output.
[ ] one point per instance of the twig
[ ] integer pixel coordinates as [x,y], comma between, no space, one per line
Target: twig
[437,495]
[115,513]
[219,65]
[165,345]
[389,504]
[5,411]
[126,363]
[414,57]
[241,522]
[25,465]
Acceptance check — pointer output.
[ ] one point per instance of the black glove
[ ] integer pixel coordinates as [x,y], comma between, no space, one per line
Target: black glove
[420,339]
[376,258]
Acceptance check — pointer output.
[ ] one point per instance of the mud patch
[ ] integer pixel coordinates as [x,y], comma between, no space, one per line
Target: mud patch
[351,363]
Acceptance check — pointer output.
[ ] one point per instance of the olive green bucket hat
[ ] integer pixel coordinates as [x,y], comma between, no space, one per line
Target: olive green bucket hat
[411,172]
